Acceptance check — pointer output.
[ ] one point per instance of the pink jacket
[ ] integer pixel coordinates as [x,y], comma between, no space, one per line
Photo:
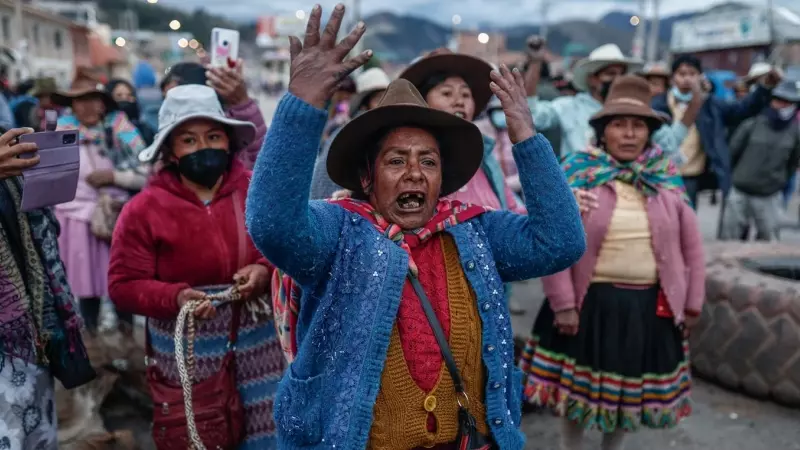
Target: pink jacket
[677,243]
[250,112]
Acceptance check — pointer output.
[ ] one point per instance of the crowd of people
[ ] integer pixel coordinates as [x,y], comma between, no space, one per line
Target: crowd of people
[344,272]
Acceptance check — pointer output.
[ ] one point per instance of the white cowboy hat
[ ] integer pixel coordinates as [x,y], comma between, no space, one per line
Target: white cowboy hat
[367,83]
[600,58]
[194,101]
[757,70]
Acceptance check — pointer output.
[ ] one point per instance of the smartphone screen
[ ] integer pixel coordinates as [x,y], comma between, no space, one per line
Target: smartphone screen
[224,46]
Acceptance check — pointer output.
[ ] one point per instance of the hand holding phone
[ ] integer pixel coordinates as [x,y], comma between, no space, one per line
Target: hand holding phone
[53,178]
[16,156]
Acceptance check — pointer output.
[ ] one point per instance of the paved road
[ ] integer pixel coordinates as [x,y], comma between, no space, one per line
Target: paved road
[721,419]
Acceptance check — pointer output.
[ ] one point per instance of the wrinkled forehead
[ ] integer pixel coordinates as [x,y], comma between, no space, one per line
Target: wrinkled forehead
[409,138]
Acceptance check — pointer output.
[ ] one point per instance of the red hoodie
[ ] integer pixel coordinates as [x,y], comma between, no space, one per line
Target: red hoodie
[167,240]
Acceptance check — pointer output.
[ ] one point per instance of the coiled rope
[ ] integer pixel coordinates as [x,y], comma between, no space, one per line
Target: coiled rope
[186,363]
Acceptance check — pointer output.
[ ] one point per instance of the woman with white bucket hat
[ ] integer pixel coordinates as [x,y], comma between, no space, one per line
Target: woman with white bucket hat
[181,248]
[593,77]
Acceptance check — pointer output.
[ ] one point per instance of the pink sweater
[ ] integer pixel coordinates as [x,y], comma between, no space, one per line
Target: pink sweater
[250,112]
[677,244]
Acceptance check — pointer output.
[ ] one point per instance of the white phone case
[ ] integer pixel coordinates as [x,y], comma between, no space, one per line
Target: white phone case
[224,45]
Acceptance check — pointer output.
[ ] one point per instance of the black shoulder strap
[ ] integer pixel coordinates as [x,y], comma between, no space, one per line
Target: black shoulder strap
[449,361]
[109,138]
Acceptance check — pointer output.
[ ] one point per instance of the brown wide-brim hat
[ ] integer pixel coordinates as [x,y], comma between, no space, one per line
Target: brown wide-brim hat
[474,71]
[84,85]
[629,96]
[656,69]
[461,143]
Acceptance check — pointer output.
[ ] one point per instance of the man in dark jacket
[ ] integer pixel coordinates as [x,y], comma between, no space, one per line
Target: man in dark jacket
[705,149]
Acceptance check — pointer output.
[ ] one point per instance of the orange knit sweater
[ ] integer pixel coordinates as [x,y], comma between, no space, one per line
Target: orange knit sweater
[402,409]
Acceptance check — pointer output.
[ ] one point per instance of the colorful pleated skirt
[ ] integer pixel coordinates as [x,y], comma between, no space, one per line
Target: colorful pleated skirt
[626,368]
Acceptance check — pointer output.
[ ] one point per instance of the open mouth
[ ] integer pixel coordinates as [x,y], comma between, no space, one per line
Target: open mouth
[410,201]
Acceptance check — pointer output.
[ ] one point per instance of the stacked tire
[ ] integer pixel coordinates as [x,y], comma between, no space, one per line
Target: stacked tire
[748,337]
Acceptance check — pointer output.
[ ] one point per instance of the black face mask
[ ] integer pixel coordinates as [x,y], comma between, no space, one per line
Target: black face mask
[131,109]
[204,167]
[605,88]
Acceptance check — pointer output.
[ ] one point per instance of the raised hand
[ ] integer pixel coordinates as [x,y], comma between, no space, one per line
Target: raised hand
[509,87]
[535,48]
[318,65]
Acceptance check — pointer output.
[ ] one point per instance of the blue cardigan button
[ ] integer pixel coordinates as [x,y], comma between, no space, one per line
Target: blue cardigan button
[496,385]
[486,306]
[470,265]
[490,348]
[498,422]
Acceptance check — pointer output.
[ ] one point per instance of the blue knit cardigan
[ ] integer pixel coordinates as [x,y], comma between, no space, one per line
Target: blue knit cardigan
[352,278]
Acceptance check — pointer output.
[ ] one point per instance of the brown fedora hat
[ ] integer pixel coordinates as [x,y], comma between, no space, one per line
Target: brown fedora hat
[83,85]
[474,71]
[402,105]
[629,96]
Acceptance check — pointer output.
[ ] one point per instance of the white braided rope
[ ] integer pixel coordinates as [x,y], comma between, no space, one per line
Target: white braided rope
[186,315]
[186,363]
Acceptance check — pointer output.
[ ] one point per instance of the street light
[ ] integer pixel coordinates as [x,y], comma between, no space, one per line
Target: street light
[193,44]
[175,25]
[300,14]
[635,21]
[483,38]
[456,19]
[152,2]
[183,43]
[120,41]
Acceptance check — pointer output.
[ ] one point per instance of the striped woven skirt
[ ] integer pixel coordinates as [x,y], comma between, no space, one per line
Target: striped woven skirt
[626,368]
[259,365]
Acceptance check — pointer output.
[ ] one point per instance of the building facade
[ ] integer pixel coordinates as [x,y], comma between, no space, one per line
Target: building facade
[47,48]
[733,37]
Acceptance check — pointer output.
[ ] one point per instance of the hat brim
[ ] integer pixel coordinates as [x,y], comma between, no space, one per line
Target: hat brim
[65,98]
[244,134]
[586,68]
[460,140]
[657,73]
[474,71]
[792,98]
[654,119]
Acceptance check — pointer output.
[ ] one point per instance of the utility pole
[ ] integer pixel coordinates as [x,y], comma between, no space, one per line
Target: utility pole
[637,50]
[543,28]
[773,38]
[19,44]
[652,43]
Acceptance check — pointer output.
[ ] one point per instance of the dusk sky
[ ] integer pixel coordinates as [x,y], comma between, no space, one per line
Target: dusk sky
[472,11]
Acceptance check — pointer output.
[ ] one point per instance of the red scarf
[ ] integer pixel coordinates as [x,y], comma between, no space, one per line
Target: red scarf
[286,294]
[447,214]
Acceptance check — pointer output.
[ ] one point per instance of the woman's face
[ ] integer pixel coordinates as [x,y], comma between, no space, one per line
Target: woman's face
[407,177]
[658,85]
[197,135]
[453,95]
[626,137]
[123,93]
[89,110]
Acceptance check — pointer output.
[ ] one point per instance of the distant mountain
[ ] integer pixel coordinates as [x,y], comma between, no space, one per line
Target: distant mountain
[403,38]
